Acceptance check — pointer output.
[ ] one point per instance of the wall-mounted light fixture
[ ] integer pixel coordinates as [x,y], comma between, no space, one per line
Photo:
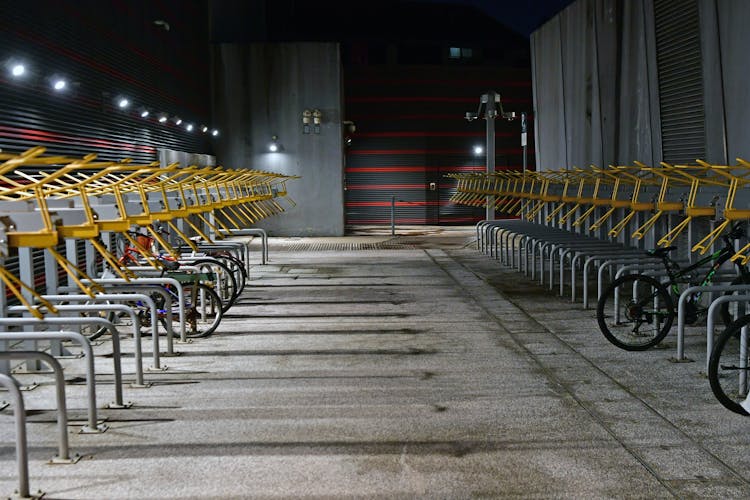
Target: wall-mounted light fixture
[306,119]
[17,69]
[317,118]
[274,146]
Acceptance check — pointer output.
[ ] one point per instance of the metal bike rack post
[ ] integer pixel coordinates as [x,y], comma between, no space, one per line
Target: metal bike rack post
[264,242]
[710,323]
[137,295]
[63,453]
[681,310]
[603,265]
[123,297]
[97,308]
[119,282]
[22,455]
[577,251]
[598,257]
[61,322]
[93,425]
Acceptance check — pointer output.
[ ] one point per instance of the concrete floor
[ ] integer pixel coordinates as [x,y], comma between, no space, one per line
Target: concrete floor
[410,367]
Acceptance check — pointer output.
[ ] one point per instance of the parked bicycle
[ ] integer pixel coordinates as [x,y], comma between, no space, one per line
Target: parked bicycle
[225,281]
[636,311]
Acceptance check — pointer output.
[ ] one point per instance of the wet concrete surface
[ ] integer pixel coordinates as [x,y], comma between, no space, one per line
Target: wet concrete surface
[420,369]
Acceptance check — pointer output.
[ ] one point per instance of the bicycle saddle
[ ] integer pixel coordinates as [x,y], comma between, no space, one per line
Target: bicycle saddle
[660,252]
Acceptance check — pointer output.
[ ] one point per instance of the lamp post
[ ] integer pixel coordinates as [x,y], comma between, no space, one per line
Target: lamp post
[492,107]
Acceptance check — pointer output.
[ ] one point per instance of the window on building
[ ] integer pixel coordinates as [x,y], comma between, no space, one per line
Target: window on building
[459,53]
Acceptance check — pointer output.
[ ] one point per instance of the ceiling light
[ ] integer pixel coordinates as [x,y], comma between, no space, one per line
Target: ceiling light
[189,127]
[59,84]
[204,129]
[18,70]
[177,120]
[478,150]
[144,113]
[162,118]
[123,103]
[214,132]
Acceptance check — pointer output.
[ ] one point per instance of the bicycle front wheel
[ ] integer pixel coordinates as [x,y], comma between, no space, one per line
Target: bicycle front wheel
[635,312]
[728,366]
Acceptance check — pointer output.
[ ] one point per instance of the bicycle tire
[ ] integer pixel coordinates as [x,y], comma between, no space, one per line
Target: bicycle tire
[197,328]
[237,266]
[726,316]
[723,373]
[227,291]
[93,332]
[642,300]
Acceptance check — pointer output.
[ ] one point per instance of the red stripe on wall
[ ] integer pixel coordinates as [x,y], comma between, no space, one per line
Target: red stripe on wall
[428,151]
[400,220]
[398,203]
[50,45]
[427,116]
[44,136]
[397,186]
[479,168]
[431,134]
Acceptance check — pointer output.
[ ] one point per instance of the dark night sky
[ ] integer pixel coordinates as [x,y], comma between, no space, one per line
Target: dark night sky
[522,16]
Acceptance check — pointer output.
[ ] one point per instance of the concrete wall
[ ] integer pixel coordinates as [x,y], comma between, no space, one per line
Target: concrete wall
[260,90]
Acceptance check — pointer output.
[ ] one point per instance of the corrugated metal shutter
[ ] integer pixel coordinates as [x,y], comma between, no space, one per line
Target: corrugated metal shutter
[678,57]
[104,49]
[411,132]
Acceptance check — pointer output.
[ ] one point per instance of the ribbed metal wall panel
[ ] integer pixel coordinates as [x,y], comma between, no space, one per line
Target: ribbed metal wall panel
[678,57]
[103,50]
[411,132]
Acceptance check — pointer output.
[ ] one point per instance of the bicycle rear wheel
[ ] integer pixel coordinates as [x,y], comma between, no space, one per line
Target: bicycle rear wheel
[225,282]
[203,311]
[729,365]
[635,312]
[236,266]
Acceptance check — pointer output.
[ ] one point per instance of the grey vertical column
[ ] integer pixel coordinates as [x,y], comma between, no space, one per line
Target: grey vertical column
[4,364]
[26,274]
[51,284]
[524,141]
[71,253]
[489,117]
[90,259]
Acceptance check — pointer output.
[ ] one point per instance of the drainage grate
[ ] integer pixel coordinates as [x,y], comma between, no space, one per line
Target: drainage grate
[343,247]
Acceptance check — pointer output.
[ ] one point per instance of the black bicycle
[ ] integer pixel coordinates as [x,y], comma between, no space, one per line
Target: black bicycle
[636,311]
